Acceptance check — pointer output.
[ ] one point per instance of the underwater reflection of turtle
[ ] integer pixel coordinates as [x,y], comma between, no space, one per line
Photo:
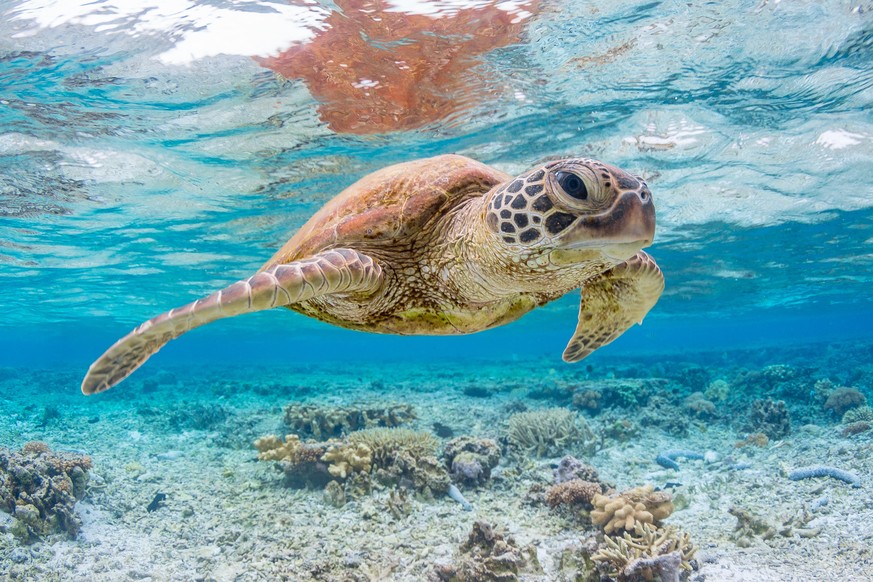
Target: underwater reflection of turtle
[443,246]
[379,66]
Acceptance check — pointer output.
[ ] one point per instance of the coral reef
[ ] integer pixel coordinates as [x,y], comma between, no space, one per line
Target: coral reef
[618,392]
[717,390]
[667,459]
[648,552]
[570,468]
[488,556]
[40,488]
[576,493]
[384,455]
[387,444]
[325,422]
[624,510]
[345,459]
[697,404]
[770,417]
[549,432]
[823,471]
[404,457]
[843,399]
[470,459]
[300,462]
[859,414]
[587,399]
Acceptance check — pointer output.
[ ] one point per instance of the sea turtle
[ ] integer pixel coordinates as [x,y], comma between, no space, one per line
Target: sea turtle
[441,246]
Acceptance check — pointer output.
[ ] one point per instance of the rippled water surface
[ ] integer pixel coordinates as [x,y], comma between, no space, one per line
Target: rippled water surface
[151,152]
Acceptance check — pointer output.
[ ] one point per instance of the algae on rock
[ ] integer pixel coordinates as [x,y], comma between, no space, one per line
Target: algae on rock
[40,488]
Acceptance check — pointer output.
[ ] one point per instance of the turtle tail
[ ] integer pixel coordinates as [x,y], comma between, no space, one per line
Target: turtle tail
[334,271]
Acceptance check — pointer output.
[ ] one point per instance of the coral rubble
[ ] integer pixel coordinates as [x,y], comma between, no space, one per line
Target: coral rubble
[488,556]
[39,488]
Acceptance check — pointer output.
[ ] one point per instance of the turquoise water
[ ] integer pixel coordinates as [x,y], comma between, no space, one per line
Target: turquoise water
[153,152]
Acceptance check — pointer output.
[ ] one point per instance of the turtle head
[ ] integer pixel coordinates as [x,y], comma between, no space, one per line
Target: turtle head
[576,209]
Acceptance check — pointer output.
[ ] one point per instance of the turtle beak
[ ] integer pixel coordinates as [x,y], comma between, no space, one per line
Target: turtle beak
[622,230]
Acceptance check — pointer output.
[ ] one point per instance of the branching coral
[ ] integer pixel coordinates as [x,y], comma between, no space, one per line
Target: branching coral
[387,444]
[649,551]
[324,422]
[40,488]
[625,510]
[859,414]
[549,432]
[345,459]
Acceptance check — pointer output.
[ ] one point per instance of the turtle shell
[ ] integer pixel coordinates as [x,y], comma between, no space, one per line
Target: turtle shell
[391,206]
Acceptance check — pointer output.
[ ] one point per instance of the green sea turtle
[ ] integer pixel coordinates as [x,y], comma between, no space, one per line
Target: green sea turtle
[442,246]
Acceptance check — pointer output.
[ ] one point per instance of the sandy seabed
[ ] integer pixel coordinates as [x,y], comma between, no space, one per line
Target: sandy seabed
[188,433]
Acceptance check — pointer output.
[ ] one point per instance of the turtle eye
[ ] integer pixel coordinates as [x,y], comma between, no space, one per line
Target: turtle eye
[572,185]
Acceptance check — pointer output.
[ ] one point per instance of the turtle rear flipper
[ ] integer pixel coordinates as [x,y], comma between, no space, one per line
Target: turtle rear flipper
[612,302]
[334,271]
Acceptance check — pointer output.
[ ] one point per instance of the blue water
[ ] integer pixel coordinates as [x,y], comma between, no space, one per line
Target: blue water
[151,153]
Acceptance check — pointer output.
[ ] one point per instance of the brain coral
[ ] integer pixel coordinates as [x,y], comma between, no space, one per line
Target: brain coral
[638,505]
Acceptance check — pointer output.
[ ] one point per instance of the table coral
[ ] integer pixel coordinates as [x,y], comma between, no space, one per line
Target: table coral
[649,551]
[40,489]
[625,510]
[549,432]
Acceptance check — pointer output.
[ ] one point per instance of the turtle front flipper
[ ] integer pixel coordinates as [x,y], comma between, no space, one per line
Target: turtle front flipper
[334,271]
[612,302]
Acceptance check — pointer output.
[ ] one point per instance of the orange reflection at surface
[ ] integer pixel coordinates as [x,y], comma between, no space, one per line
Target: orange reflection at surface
[376,69]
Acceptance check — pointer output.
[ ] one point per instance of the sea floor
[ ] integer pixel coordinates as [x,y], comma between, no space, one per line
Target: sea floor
[188,433]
